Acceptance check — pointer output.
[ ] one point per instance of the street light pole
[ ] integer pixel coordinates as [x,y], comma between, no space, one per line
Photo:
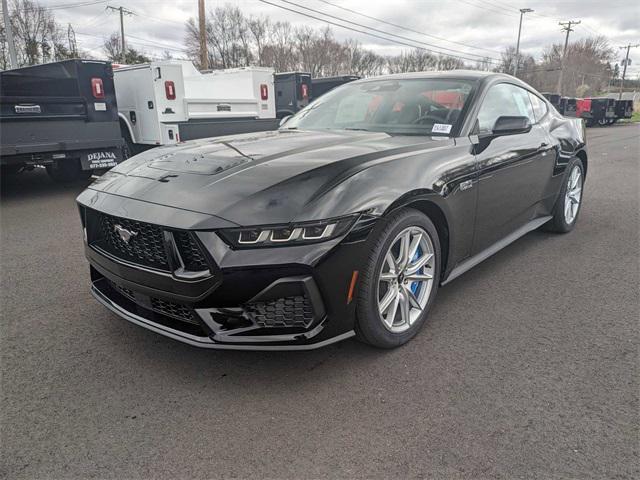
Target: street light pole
[515,66]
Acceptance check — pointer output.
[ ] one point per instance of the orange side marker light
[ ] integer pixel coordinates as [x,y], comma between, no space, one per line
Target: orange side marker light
[352,286]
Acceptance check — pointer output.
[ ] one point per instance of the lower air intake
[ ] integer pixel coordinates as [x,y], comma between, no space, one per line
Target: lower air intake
[293,311]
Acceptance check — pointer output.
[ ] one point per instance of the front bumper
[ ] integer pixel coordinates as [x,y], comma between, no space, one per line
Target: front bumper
[206,341]
[285,298]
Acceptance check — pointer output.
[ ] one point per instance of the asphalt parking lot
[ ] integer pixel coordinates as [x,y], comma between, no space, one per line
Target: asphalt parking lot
[528,367]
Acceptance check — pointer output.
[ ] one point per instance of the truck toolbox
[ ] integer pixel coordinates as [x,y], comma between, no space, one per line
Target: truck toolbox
[60,115]
[165,102]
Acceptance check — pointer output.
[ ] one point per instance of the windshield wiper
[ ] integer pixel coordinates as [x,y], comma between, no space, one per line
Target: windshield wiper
[356,129]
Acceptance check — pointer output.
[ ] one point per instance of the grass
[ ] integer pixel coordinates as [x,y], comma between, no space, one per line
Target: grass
[635,118]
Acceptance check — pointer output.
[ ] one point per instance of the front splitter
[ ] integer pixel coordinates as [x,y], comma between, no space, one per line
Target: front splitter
[205,342]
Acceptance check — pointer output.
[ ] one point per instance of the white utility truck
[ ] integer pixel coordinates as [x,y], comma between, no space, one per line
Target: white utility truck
[166,102]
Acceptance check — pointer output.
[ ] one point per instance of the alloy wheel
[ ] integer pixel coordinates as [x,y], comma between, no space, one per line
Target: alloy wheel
[573,195]
[405,279]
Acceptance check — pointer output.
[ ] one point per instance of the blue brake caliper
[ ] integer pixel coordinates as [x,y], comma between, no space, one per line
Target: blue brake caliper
[415,285]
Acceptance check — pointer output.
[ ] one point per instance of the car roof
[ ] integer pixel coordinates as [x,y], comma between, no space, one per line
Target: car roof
[459,74]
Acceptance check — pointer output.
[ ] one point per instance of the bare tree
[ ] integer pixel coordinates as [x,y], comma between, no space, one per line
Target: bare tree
[445,62]
[37,35]
[362,62]
[113,49]
[279,53]
[259,29]
[416,60]
[588,62]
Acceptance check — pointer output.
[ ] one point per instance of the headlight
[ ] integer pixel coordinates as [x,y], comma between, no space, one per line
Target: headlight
[292,234]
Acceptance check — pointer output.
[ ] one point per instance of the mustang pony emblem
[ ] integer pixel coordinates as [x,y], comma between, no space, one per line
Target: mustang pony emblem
[125,234]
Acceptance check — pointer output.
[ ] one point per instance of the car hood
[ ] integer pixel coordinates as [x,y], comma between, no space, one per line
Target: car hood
[258,178]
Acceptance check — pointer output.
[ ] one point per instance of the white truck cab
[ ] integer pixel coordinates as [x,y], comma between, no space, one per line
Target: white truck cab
[165,102]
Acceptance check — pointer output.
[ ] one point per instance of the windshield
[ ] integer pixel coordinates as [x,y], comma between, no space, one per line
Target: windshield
[407,106]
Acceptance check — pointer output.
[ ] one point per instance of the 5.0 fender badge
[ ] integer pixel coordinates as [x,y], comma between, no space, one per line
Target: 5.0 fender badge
[466,185]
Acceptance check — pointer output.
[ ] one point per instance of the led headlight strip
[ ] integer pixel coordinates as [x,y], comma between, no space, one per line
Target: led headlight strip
[293,234]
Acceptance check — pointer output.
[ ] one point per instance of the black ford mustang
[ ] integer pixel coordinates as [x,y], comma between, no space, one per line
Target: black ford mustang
[343,222]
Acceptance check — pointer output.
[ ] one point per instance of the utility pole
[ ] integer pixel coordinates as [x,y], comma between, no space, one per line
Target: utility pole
[566,26]
[73,45]
[9,34]
[204,56]
[625,63]
[515,66]
[123,11]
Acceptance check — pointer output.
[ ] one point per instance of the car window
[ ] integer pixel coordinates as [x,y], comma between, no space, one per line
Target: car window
[429,106]
[539,107]
[504,99]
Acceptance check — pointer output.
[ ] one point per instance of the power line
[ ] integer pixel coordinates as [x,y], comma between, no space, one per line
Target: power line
[406,28]
[64,6]
[140,41]
[388,33]
[159,44]
[489,60]
[489,9]
[542,15]
[164,20]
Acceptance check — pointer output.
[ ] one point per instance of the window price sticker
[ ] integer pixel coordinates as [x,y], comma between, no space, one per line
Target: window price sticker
[441,128]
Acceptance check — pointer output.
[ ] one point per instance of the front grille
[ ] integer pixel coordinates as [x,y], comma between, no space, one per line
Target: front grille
[145,246]
[173,310]
[165,307]
[190,252]
[293,311]
[173,315]
[124,291]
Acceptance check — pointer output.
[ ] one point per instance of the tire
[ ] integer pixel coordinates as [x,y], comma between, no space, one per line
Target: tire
[371,325]
[129,148]
[560,223]
[64,171]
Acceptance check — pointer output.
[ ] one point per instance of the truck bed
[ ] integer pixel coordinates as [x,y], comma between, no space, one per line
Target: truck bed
[59,112]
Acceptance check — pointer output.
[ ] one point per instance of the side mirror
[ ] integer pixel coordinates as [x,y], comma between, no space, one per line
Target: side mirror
[284,120]
[508,125]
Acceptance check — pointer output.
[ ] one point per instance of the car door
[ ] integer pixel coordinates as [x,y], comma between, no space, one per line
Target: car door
[512,168]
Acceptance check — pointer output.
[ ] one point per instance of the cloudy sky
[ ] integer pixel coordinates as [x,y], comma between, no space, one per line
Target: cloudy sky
[463,27]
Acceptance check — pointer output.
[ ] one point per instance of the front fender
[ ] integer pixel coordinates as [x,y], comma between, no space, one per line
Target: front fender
[434,177]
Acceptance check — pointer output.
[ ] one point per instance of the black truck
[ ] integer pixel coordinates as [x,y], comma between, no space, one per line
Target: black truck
[320,86]
[601,112]
[60,115]
[554,99]
[568,106]
[293,92]
[623,109]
